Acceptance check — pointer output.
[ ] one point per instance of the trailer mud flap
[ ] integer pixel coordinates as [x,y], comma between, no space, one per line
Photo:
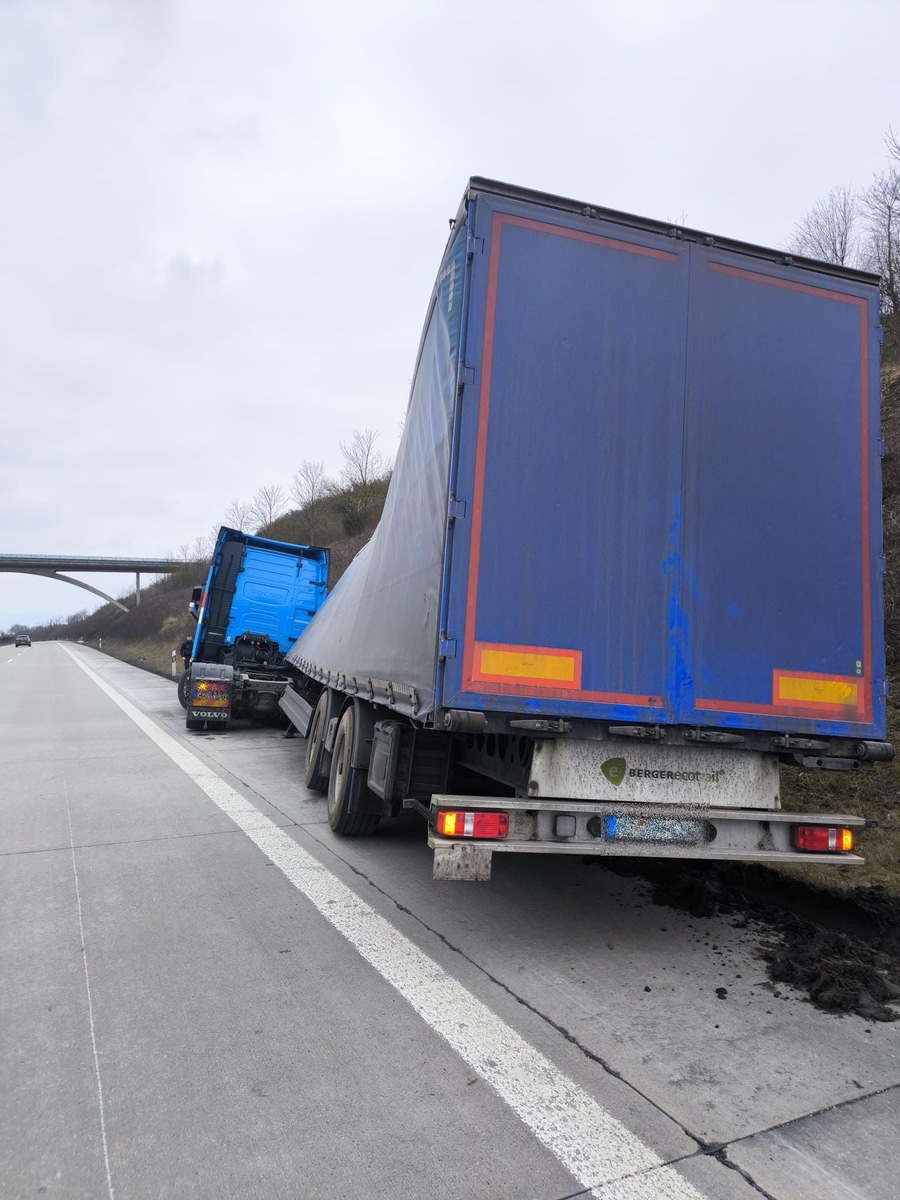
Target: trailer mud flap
[456,862]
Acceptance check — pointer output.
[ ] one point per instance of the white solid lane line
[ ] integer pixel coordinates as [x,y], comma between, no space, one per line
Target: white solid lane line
[591,1143]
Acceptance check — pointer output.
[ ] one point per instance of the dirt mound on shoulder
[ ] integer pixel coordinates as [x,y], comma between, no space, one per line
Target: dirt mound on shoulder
[838,972]
[842,950]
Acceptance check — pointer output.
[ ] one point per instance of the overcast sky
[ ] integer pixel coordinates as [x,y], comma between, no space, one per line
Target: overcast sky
[220,221]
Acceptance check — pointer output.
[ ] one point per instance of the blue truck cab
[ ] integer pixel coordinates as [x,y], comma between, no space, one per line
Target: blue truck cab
[258,598]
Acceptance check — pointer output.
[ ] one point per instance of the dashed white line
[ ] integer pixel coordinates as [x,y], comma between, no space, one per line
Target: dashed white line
[592,1144]
[90,1004]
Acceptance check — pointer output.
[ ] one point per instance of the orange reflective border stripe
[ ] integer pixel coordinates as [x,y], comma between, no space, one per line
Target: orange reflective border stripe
[806,689]
[499,663]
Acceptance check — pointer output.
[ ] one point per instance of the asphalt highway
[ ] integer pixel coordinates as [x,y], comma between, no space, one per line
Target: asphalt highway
[205,993]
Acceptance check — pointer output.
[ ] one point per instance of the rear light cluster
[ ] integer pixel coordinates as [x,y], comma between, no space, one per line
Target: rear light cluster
[454,824]
[821,839]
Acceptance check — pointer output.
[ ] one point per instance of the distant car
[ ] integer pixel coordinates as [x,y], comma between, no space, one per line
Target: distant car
[22,639]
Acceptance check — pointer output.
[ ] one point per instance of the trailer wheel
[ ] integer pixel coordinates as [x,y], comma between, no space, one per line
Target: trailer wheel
[313,776]
[182,688]
[345,785]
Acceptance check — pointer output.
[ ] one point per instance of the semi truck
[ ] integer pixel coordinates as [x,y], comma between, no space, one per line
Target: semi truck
[258,597]
[630,560]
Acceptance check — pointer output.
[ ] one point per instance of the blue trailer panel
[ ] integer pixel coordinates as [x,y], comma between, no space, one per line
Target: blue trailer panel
[668,476]
[780,609]
[573,461]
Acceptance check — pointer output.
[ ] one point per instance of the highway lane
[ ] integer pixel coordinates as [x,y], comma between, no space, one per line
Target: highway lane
[206,994]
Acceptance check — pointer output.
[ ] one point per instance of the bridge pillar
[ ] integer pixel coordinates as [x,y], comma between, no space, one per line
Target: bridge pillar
[137,588]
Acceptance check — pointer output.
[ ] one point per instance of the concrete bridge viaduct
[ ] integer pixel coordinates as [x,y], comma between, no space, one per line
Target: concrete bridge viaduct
[52,566]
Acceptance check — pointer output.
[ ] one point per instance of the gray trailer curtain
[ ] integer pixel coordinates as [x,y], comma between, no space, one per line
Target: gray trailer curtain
[377,632]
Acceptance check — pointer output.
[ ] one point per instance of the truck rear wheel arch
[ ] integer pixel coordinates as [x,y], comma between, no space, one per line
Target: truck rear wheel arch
[317,764]
[353,810]
[364,717]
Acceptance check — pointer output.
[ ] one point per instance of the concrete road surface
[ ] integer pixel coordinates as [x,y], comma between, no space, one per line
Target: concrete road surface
[205,993]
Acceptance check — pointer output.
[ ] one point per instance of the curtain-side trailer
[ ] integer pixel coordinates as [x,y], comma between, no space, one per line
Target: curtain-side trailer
[630,560]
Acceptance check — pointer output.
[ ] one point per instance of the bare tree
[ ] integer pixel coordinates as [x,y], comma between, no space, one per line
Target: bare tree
[202,548]
[310,487]
[363,464]
[310,484]
[184,552]
[238,514]
[830,230]
[880,203]
[364,478]
[269,503]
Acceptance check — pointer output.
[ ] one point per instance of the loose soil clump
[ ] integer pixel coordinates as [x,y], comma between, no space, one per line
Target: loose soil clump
[841,949]
[838,973]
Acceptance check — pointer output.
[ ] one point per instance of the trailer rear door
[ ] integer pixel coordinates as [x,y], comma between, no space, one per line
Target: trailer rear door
[668,483]
[780,606]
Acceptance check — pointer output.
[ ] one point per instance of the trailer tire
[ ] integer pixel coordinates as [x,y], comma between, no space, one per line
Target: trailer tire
[182,688]
[313,776]
[346,783]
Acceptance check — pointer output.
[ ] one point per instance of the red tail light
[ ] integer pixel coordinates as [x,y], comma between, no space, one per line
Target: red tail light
[472,824]
[821,839]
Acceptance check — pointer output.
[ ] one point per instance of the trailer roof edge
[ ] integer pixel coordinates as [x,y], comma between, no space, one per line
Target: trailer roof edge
[478,185]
